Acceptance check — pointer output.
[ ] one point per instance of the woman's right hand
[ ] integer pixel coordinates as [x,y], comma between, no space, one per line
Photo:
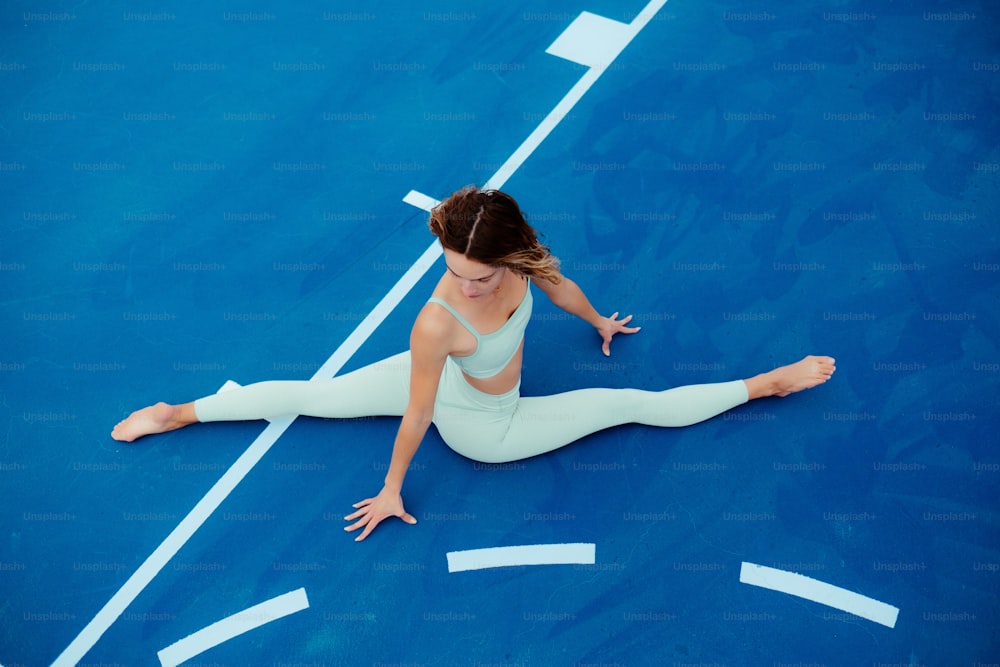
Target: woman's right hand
[372,511]
[609,326]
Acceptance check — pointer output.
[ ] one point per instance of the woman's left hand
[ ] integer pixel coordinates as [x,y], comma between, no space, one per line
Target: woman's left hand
[609,326]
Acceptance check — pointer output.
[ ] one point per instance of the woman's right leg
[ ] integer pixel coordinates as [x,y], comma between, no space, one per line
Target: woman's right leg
[380,389]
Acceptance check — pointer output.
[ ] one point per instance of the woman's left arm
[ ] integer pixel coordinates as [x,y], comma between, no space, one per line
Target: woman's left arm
[567,295]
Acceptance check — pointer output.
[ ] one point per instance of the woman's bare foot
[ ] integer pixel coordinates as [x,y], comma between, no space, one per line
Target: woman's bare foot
[789,379]
[158,418]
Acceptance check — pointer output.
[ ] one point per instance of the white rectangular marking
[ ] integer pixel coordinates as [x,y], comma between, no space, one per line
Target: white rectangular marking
[818,591]
[529,554]
[233,626]
[592,40]
[420,200]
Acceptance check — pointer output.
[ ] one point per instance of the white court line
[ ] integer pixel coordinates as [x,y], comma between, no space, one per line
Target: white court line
[819,591]
[232,626]
[171,545]
[528,554]
[567,103]
[141,578]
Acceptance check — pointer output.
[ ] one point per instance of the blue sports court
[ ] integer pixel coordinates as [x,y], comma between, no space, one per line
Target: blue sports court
[201,194]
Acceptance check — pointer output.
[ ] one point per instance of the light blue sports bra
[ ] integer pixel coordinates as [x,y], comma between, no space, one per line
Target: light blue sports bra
[493,350]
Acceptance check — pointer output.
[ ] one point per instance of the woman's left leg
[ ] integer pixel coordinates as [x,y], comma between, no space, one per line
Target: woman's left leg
[541,424]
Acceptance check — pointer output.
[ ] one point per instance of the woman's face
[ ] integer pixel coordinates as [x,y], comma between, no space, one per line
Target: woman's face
[476,280]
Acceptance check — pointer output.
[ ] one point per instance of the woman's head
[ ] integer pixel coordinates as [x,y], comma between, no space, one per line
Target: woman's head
[487,226]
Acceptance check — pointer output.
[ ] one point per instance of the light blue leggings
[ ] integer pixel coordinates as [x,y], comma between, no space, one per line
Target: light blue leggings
[483,427]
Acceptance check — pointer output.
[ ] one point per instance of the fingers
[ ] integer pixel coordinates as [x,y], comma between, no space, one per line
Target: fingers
[367,531]
[362,505]
[368,519]
[620,324]
[361,523]
[364,515]
[368,522]
[617,326]
[624,329]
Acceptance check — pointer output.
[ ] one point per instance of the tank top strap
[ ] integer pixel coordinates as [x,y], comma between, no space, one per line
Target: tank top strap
[458,316]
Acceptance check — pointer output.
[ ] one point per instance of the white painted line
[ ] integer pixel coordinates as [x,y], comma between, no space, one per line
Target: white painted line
[98,625]
[643,18]
[420,200]
[539,134]
[381,311]
[529,554]
[591,40]
[233,626]
[818,591]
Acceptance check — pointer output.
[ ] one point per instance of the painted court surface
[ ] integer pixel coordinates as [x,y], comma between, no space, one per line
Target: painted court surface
[199,195]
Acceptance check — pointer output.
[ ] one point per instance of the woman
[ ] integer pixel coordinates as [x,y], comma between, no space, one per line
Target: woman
[463,369]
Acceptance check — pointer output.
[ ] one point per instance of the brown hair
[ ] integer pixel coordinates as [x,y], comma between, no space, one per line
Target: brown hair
[487,226]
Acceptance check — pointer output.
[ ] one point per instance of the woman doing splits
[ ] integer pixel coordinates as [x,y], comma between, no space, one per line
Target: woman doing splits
[463,369]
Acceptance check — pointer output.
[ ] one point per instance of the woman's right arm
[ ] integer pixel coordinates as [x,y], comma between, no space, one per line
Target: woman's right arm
[428,351]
